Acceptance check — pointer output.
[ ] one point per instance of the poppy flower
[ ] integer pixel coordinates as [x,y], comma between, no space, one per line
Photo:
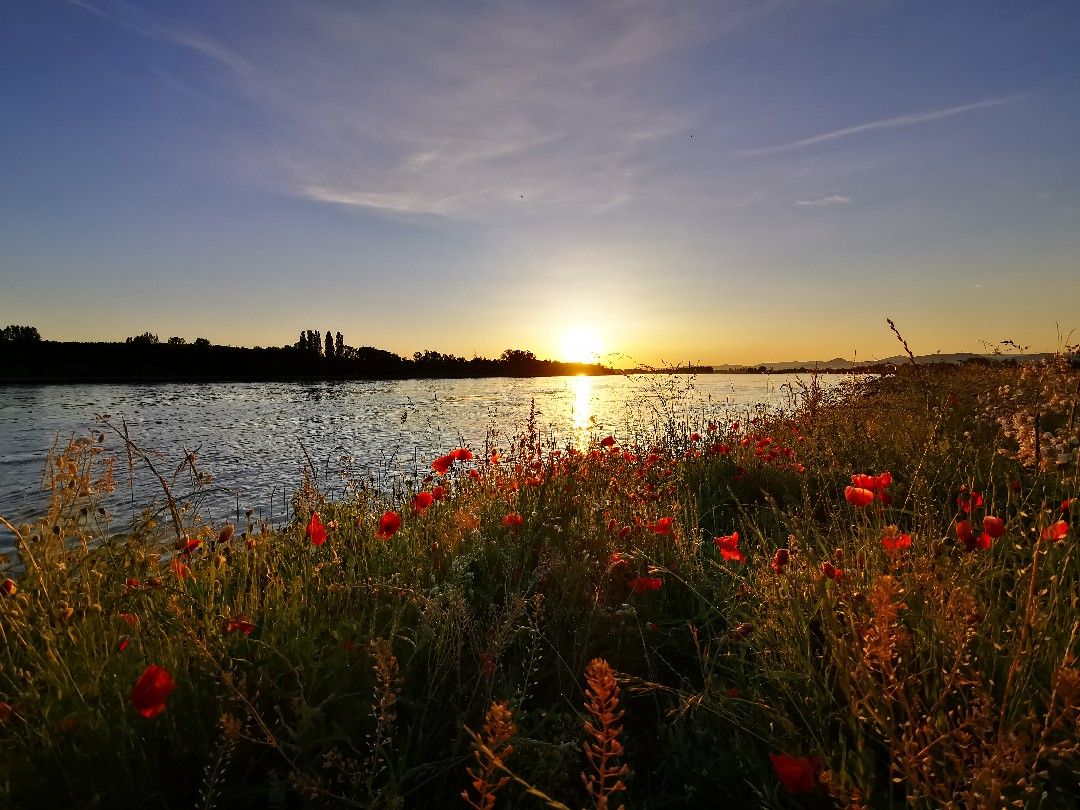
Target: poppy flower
[830,571]
[780,559]
[150,691]
[189,547]
[982,542]
[616,562]
[796,774]
[316,532]
[858,496]
[438,492]
[729,547]
[122,644]
[442,464]
[695,437]
[1056,531]
[967,501]
[179,568]
[993,526]
[474,475]
[8,587]
[422,500]
[964,534]
[662,526]
[1066,504]
[512,519]
[607,441]
[894,539]
[885,498]
[241,625]
[643,584]
[389,524]
[462,454]
[132,583]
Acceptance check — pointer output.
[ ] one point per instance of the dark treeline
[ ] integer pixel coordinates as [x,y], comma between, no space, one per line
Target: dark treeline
[25,357]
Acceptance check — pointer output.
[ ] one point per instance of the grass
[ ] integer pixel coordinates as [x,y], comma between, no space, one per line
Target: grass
[604,650]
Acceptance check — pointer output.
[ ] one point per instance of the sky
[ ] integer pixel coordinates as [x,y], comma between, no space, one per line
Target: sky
[706,182]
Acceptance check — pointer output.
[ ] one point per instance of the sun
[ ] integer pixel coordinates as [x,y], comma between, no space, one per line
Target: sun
[581,346]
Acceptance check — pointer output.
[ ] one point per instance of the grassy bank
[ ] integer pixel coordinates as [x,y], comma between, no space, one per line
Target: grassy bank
[779,635]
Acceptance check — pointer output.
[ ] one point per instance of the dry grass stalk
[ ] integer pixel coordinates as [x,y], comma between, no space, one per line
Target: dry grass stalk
[603,747]
[499,728]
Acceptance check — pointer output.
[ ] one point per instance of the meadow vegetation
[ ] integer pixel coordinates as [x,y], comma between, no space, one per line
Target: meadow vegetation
[870,601]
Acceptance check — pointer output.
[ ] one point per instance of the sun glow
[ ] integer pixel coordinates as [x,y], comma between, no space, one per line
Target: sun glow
[581,346]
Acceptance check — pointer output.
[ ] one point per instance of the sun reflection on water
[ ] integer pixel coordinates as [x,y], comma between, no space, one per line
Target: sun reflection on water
[582,386]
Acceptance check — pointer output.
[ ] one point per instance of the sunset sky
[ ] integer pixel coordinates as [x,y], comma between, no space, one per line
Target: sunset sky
[720,182]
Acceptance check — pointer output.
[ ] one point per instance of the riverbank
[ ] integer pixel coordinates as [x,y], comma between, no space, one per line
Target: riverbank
[781,633]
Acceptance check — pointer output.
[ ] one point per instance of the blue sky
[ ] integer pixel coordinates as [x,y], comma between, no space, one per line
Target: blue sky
[712,182]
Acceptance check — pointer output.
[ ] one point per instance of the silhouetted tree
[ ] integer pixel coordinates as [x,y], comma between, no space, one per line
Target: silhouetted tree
[177,341]
[339,345]
[329,352]
[202,342]
[19,334]
[145,339]
[301,344]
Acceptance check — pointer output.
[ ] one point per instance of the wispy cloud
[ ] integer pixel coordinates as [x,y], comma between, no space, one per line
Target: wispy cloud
[821,202]
[910,119]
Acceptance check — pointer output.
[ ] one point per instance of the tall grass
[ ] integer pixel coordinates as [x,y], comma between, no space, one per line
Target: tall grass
[607,649]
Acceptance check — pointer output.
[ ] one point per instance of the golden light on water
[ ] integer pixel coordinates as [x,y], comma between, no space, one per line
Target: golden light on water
[582,386]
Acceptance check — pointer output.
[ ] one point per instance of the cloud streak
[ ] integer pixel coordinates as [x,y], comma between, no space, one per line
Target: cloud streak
[908,120]
[823,202]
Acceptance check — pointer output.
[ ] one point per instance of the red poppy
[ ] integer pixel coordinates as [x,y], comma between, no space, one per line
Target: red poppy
[662,526]
[442,464]
[179,568]
[858,496]
[963,532]
[780,559]
[1056,531]
[474,475]
[885,498]
[1066,504]
[122,644]
[830,571]
[695,437]
[462,454]
[967,502]
[132,583]
[150,691]
[316,532]
[796,774]
[643,584]
[512,519]
[894,539]
[389,524]
[8,587]
[993,526]
[240,625]
[422,500]
[983,542]
[616,562]
[729,547]
[189,547]
[438,492]
[607,441]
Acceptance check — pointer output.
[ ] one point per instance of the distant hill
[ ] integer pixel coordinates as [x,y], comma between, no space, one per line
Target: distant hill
[840,364]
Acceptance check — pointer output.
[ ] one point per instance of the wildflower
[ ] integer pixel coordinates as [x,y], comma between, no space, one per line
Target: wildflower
[132,583]
[179,568]
[1067,504]
[616,562]
[885,498]
[643,584]
[695,436]
[780,559]
[8,587]
[462,454]
[894,539]
[442,464]
[438,492]
[512,519]
[858,496]
[607,441]
[422,500]
[993,526]
[967,502]
[241,625]
[1056,531]
[662,526]
[122,644]
[389,524]
[316,532]
[729,547]
[831,572]
[151,690]
[474,475]
[796,774]
[189,547]
[963,531]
